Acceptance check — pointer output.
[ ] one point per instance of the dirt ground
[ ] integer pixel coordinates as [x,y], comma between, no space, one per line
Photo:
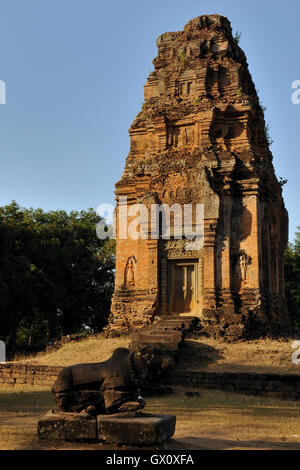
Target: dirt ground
[215,420]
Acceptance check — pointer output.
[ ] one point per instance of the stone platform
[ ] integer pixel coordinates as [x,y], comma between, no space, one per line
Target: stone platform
[131,428]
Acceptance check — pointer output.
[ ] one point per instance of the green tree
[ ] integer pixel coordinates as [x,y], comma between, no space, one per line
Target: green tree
[56,276]
[292,279]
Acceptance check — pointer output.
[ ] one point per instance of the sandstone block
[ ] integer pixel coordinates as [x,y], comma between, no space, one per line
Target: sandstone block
[68,427]
[129,428]
[145,429]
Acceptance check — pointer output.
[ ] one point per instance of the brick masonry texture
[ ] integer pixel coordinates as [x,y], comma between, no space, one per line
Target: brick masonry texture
[201,138]
[286,386]
[29,374]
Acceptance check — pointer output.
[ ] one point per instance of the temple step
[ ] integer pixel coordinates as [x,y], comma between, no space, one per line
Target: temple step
[178,322]
[167,334]
[170,347]
[160,338]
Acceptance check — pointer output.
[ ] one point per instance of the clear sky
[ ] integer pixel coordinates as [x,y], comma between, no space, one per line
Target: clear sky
[75,71]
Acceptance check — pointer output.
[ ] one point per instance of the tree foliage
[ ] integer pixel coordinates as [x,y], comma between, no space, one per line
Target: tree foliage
[292,279]
[56,276]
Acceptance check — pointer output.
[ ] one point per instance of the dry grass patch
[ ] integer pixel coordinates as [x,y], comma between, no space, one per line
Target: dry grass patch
[25,398]
[215,420]
[221,420]
[264,355]
[21,407]
[91,349]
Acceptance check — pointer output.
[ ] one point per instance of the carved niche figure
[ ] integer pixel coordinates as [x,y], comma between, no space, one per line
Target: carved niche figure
[245,261]
[130,272]
[111,386]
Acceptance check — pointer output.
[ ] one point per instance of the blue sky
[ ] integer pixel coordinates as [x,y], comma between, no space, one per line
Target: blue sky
[75,71]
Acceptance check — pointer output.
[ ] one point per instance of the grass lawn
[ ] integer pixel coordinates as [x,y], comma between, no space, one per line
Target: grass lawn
[92,349]
[264,355]
[215,420]
[261,356]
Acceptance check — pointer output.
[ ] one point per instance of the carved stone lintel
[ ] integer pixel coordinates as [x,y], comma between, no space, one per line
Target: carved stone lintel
[183,248]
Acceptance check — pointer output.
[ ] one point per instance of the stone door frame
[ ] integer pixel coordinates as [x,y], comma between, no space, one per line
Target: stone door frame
[165,270]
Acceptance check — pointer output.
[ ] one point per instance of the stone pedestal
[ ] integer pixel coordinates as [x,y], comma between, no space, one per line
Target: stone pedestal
[68,427]
[131,428]
[145,429]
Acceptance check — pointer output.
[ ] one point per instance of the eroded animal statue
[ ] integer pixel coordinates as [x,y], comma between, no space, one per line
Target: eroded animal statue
[111,386]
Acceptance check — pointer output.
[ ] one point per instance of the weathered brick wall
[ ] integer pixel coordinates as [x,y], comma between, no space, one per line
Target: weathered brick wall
[30,374]
[271,385]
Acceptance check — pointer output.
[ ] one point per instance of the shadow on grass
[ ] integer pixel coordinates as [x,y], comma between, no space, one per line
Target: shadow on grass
[216,400]
[25,401]
[196,355]
[200,356]
[212,410]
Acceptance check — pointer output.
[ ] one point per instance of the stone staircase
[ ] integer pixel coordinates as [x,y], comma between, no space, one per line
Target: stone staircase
[167,334]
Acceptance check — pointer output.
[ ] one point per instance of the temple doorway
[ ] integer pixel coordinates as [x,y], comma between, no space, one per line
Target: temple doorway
[182,287]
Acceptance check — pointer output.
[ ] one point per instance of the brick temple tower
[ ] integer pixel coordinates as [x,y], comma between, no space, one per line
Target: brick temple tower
[201,138]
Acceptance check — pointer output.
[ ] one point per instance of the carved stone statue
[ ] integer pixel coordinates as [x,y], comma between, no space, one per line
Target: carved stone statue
[245,261]
[111,386]
[130,272]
